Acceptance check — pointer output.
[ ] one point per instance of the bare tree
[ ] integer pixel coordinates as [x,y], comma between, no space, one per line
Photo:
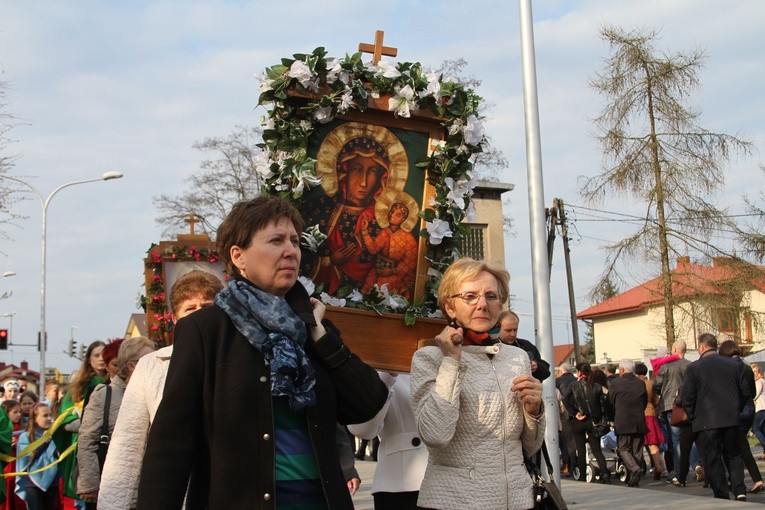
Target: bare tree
[225,179]
[9,192]
[752,234]
[656,153]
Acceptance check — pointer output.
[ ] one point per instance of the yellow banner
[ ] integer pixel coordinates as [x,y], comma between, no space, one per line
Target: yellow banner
[43,439]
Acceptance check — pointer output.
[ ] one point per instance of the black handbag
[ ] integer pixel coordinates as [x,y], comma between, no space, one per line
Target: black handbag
[547,495]
[600,428]
[103,443]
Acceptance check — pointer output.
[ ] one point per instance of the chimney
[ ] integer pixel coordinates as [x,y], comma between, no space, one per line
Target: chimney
[684,263]
[24,365]
[722,261]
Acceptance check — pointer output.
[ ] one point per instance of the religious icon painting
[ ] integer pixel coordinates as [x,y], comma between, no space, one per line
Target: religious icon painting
[368,206]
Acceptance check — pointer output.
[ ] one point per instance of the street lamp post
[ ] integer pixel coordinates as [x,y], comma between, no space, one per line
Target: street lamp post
[7,294]
[43,338]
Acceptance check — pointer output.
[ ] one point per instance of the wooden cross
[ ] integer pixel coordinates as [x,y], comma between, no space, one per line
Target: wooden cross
[377,49]
[191,220]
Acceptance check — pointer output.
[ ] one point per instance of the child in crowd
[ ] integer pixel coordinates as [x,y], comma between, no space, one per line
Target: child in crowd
[38,489]
[27,400]
[12,501]
[50,394]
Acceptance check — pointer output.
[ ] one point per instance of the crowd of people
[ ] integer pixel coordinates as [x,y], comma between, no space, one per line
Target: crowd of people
[257,402]
[722,396]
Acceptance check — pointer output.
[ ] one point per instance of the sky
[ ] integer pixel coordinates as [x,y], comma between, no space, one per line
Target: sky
[99,86]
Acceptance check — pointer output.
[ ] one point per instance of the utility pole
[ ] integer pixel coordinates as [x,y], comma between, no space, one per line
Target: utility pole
[569,278]
[552,217]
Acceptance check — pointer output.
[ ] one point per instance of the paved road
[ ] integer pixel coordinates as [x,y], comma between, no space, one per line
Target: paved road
[649,495]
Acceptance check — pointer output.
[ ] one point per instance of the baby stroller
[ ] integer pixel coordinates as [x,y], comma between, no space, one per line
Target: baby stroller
[613,462]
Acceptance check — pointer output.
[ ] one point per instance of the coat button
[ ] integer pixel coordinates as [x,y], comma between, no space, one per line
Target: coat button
[263,378]
[266,437]
[266,497]
[416,441]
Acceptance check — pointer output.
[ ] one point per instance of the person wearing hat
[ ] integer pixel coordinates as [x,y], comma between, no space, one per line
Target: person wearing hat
[12,389]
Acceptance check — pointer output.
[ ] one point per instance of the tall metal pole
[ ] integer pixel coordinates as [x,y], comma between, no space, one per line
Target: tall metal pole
[539,260]
[43,337]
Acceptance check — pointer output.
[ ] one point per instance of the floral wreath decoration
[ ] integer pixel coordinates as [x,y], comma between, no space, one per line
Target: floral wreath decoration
[311,89]
[155,300]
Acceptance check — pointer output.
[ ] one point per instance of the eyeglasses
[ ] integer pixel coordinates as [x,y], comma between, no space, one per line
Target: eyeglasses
[471,298]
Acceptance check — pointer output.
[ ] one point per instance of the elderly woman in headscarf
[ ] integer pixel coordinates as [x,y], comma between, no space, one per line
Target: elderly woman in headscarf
[477,406]
[256,384]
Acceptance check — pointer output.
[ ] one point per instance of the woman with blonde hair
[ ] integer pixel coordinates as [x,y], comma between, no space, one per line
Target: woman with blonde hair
[477,406]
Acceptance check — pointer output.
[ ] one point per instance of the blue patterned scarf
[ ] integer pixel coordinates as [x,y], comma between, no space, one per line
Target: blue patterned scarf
[273,328]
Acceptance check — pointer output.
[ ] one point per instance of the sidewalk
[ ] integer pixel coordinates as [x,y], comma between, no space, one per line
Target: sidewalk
[650,495]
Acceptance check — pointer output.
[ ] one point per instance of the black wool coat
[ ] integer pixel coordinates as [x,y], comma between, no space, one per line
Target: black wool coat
[214,425]
[714,392]
[628,397]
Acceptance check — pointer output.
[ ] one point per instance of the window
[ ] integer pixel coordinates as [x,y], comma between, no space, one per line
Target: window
[726,321]
[472,244]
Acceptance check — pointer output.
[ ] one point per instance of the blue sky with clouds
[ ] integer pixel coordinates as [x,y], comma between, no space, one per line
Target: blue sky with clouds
[130,86]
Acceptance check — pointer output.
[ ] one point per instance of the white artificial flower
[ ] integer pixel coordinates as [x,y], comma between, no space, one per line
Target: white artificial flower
[458,190]
[433,88]
[323,114]
[395,302]
[313,85]
[356,296]
[387,70]
[473,130]
[301,72]
[281,187]
[402,102]
[333,70]
[307,283]
[439,146]
[265,84]
[262,163]
[331,301]
[312,238]
[455,127]
[346,101]
[267,123]
[470,214]
[306,125]
[438,229]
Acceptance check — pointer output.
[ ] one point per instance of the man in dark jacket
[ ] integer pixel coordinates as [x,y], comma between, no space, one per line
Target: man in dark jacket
[628,397]
[508,334]
[713,395]
[567,445]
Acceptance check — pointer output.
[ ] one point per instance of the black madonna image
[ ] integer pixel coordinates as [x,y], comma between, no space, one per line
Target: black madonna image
[366,207]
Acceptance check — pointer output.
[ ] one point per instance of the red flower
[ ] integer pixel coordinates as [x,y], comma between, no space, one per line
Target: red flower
[155,327]
[155,257]
[157,278]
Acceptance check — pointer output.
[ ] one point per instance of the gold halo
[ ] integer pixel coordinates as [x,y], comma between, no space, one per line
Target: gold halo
[326,159]
[390,196]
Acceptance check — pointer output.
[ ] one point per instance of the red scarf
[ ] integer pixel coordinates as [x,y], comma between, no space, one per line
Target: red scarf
[473,338]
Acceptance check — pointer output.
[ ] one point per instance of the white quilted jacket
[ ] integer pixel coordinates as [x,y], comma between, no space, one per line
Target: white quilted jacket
[122,470]
[474,427]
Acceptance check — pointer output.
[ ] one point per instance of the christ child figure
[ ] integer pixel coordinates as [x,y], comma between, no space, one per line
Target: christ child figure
[395,251]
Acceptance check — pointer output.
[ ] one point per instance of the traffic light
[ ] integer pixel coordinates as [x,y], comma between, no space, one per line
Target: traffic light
[83,351]
[71,348]
[3,339]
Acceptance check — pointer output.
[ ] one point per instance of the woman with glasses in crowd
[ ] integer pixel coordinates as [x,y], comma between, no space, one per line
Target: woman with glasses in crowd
[477,406]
